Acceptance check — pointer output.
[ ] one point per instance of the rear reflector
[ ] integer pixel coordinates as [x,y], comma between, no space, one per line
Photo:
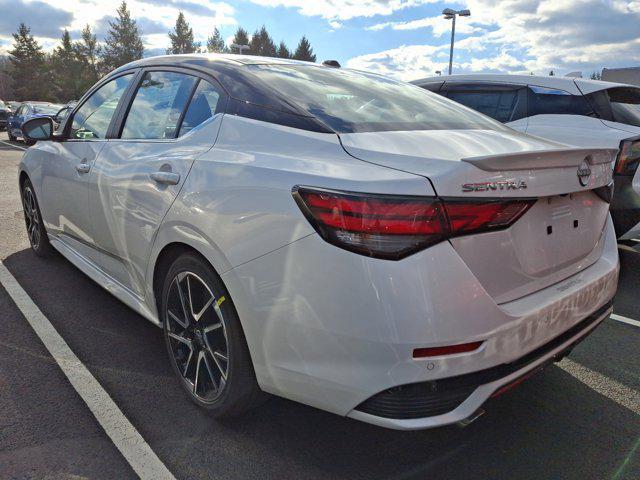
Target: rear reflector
[394,226]
[445,350]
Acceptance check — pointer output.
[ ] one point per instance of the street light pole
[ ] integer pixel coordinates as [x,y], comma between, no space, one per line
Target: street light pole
[453,35]
[450,14]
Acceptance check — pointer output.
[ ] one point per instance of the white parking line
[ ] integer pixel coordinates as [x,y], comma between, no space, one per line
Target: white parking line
[12,145]
[622,319]
[621,394]
[122,433]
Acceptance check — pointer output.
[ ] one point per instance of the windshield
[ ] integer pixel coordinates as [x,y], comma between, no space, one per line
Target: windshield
[47,109]
[349,101]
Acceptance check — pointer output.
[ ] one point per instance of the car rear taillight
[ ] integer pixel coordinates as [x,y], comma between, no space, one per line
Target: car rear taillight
[394,226]
[628,157]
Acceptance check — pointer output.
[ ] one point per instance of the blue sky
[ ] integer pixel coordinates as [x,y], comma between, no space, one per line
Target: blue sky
[403,38]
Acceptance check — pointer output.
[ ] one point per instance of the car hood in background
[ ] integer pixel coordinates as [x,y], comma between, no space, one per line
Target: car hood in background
[622,127]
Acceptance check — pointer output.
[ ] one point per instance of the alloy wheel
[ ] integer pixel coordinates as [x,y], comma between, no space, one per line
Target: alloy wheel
[196,335]
[31,217]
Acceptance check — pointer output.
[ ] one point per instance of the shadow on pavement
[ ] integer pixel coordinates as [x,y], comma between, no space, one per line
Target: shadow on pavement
[551,427]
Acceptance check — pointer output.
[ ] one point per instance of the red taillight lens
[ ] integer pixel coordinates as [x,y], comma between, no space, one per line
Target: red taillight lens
[628,157]
[393,226]
[466,217]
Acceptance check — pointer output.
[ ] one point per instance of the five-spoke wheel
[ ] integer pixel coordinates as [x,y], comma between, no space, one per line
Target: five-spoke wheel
[197,337]
[33,221]
[204,338]
[31,216]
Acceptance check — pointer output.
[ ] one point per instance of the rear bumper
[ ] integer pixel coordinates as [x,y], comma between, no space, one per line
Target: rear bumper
[455,399]
[332,329]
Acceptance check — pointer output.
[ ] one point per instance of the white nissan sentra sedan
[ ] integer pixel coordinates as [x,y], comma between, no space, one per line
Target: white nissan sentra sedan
[337,238]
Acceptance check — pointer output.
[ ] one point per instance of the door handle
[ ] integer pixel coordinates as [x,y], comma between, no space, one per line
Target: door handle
[166,178]
[83,168]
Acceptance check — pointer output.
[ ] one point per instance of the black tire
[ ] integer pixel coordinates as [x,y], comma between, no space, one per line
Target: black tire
[198,346]
[36,232]
[29,142]
[11,137]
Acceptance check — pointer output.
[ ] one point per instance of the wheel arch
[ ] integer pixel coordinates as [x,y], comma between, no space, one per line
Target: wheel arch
[163,260]
[22,177]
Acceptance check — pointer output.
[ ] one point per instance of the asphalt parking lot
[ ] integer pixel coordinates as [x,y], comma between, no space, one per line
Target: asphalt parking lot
[579,419]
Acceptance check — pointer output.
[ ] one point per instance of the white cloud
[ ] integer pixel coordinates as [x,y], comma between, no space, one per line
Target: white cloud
[405,62]
[160,15]
[438,25]
[344,9]
[520,36]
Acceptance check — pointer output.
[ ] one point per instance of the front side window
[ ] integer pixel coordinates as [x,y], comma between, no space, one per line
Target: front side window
[349,101]
[504,106]
[548,101]
[158,105]
[92,119]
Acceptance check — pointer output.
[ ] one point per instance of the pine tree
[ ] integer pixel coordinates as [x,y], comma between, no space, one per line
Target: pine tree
[215,43]
[262,44]
[182,38]
[304,51]
[240,38]
[66,71]
[123,43]
[596,76]
[87,51]
[29,71]
[283,51]
[551,74]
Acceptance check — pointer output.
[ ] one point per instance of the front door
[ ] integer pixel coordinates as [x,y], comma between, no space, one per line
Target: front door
[65,189]
[172,120]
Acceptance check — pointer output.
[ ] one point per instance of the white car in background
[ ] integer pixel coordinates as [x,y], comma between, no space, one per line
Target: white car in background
[340,239]
[573,111]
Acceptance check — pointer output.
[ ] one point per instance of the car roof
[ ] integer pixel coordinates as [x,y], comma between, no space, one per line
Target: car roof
[243,86]
[210,60]
[576,86]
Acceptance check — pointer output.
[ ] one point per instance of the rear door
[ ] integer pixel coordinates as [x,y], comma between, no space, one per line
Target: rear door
[173,117]
[503,102]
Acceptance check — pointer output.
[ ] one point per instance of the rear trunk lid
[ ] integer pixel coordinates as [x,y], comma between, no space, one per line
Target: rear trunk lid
[560,235]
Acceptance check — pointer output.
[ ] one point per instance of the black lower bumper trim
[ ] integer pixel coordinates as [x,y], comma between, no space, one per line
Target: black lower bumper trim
[436,397]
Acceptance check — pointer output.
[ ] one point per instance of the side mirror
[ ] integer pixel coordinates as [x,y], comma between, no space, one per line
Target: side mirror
[40,128]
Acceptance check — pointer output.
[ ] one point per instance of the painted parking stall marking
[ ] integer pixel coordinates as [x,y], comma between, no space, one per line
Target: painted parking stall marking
[628,321]
[121,432]
[621,394]
[12,145]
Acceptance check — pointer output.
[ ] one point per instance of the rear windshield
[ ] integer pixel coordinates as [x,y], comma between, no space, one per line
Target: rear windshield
[47,109]
[348,101]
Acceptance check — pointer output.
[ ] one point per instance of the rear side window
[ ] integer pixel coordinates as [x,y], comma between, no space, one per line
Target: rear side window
[158,105]
[204,105]
[505,105]
[547,101]
[92,119]
[619,104]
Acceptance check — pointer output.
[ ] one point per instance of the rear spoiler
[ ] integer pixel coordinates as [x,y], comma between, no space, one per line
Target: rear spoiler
[540,159]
